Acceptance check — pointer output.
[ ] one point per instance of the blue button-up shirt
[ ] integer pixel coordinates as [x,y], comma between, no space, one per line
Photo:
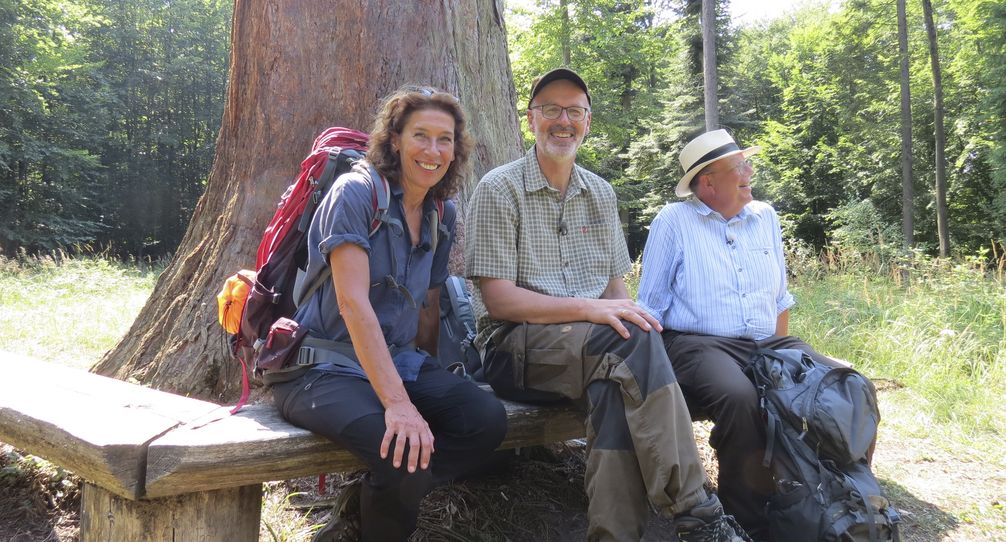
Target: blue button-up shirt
[705,274]
[344,216]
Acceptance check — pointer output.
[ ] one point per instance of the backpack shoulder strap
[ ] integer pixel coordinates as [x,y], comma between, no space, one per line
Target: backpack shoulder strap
[381,199]
[436,220]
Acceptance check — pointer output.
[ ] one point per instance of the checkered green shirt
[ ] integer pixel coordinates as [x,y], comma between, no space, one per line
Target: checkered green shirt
[518,229]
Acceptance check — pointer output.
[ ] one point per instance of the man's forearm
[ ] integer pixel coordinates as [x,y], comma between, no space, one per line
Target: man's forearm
[782,323]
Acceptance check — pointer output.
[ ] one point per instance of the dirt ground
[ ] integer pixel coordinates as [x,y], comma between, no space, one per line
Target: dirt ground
[942,494]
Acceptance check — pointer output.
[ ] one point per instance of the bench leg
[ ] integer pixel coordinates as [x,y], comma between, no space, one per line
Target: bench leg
[225,515]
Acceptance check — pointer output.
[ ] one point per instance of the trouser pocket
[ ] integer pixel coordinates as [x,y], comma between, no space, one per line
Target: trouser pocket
[545,360]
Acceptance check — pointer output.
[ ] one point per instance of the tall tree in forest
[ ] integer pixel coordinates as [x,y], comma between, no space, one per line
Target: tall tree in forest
[907,189]
[166,65]
[296,68]
[51,104]
[941,140]
[709,79]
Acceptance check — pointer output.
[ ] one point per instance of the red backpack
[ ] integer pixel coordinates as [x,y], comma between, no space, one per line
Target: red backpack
[263,302]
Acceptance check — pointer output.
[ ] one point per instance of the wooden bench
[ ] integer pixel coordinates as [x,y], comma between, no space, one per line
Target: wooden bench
[158,466]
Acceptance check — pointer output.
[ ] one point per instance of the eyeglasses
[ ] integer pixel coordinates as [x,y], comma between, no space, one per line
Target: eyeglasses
[574,113]
[738,168]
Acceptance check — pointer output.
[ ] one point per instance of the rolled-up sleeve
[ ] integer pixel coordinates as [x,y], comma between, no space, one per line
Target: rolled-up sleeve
[784,299]
[344,214]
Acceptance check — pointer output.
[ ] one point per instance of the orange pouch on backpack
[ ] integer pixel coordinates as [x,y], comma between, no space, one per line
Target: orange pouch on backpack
[231,299]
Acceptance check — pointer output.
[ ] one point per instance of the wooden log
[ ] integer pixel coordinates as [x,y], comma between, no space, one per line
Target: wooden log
[256,445]
[225,515]
[95,426]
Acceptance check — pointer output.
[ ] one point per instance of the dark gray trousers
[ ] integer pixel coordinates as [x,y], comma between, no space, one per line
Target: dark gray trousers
[710,371]
[467,424]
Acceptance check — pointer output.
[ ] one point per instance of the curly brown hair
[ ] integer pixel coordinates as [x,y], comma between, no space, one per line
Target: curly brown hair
[395,112]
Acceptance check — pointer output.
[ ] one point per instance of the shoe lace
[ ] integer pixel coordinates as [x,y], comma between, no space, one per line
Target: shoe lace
[723,529]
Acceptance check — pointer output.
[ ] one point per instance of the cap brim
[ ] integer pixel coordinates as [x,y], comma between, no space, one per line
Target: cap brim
[556,75]
[683,191]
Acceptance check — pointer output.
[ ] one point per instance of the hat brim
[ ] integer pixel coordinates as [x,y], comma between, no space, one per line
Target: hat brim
[682,190]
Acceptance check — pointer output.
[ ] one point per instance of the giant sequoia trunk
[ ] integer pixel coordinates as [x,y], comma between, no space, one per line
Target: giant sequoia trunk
[297,68]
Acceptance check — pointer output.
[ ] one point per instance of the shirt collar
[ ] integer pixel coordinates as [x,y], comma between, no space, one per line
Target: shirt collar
[704,210]
[397,192]
[535,180]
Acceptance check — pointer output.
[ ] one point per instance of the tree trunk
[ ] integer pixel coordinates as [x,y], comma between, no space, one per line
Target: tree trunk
[941,140]
[567,55]
[709,64]
[907,188]
[297,68]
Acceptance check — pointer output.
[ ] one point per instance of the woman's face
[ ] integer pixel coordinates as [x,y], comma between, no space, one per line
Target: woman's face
[425,147]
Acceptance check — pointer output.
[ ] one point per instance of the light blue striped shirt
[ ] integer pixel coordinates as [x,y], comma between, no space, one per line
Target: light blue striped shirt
[703,274]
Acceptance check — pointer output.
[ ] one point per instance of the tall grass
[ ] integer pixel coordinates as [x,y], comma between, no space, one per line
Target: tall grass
[937,327]
[69,310]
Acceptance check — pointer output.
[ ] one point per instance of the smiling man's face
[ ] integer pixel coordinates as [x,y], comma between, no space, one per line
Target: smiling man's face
[558,138]
[725,186]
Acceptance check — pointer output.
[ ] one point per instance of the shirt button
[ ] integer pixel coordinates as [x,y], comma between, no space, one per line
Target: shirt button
[744,295]
[739,269]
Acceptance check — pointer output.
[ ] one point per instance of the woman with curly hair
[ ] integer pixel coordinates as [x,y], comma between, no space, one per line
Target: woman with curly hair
[375,389]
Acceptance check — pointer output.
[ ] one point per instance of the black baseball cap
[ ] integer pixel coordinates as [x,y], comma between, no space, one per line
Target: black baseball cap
[555,75]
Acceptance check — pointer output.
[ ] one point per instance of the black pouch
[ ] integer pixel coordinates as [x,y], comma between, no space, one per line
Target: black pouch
[282,345]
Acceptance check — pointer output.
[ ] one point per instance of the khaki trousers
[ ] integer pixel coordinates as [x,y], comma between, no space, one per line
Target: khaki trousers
[639,435]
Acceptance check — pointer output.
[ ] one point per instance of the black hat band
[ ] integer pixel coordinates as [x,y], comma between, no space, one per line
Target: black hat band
[714,154]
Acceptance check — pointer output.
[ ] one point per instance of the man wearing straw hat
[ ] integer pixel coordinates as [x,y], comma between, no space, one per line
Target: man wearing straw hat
[546,252]
[715,278]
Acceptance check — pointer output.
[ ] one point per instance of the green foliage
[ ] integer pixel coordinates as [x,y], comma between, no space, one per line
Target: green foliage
[859,229]
[48,170]
[108,115]
[817,89]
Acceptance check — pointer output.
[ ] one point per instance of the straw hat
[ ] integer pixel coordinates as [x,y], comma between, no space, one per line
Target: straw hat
[704,150]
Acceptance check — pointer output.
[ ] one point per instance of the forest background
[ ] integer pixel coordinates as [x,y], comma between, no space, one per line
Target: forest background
[109,112]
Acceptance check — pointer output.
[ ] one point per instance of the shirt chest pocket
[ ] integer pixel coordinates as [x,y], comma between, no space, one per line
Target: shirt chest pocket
[589,243]
[760,265]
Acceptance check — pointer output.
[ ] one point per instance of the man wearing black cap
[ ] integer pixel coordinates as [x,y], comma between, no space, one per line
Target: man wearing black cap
[715,277]
[546,252]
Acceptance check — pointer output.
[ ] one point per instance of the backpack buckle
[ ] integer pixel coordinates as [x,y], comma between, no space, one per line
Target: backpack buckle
[305,356]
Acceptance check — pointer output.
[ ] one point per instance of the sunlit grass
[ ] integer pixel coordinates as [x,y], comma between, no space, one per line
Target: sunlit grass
[940,333]
[69,310]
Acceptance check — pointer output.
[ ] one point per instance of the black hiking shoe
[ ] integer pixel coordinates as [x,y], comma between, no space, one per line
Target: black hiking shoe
[344,523]
[707,523]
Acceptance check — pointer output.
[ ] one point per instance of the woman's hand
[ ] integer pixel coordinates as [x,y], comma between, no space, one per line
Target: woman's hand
[406,426]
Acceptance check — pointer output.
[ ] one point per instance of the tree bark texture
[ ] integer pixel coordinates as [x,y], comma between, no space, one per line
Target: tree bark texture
[297,68]
[709,78]
[907,184]
[941,139]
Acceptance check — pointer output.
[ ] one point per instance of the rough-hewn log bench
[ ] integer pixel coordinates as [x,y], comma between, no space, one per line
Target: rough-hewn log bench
[161,467]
